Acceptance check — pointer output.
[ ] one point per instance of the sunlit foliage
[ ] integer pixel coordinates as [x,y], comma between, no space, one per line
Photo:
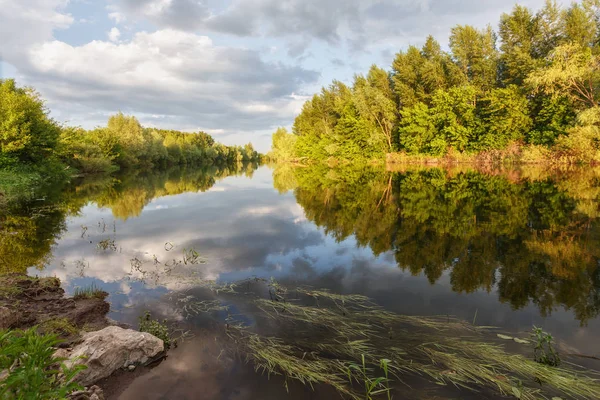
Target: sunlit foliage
[523,86]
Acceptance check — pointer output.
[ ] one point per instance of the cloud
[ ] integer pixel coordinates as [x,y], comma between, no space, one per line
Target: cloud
[25,22]
[114,34]
[176,14]
[358,24]
[171,78]
[117,17]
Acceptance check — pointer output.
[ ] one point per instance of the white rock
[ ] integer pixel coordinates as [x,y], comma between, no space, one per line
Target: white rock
[107,350]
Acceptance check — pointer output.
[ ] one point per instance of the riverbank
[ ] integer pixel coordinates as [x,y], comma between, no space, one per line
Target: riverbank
[515,154]
[68,331]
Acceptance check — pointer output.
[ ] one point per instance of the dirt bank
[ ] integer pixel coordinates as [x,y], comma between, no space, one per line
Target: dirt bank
[29,301]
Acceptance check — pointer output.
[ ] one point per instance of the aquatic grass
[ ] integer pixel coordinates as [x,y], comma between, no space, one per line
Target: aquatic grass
[373,385]
[544,351]
[89,292]
[273,356]
[317,343]
[472,364]
[107,244]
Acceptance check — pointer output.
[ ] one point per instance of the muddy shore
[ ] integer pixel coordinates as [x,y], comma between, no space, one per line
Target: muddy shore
[27,301]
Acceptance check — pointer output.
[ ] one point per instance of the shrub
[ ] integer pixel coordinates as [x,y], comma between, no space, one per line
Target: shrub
[155,328]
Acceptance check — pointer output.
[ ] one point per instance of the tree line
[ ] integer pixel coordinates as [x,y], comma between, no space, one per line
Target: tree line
[34,146]
[529,90]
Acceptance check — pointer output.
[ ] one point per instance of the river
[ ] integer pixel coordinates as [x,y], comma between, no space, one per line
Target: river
[509,248]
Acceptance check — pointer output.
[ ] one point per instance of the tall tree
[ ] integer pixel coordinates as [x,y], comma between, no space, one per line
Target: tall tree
[581,23]
[518,32]
[572,71]
[374,102]
[475,53]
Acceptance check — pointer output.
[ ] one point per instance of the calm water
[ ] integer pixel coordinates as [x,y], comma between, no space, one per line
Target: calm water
[511,249]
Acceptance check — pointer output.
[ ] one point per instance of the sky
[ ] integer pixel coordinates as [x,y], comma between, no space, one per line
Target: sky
[237,69]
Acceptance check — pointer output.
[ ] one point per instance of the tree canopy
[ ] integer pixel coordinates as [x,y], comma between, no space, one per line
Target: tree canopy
[523,85]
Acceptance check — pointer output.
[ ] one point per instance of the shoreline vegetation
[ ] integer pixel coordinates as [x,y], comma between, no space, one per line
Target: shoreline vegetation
[357,348]
[526,93]
[36,150]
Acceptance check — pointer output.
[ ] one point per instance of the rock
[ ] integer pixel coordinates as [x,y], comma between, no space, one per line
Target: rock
[93,393]
[107,350]
[131,367]
[62,353]
[7,318]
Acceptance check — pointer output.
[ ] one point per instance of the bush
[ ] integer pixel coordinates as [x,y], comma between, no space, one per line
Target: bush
[582,144]
[155,328]
[27,134]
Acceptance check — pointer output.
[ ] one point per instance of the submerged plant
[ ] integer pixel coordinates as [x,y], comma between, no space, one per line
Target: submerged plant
[107,244]
[155,328]
[321,337]
[192,257]
[544,351]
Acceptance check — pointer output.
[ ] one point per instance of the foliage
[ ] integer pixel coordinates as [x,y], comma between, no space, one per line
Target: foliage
[544,352]
[474,99]
[572,71]
[506,118]
[155,328]
[373,386]
[89,292]
[34,149]
[283,146]
[27,133]
[33,370]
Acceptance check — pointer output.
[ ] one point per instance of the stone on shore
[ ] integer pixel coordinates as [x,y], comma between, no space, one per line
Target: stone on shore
[110,349]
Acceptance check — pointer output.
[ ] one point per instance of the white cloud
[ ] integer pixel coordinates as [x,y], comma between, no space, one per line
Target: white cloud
[170,79]
[23,23]
[356,23]
[114,34]
[117,17]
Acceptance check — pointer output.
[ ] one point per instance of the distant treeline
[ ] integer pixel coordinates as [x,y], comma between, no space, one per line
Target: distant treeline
[33,146]
[528,92]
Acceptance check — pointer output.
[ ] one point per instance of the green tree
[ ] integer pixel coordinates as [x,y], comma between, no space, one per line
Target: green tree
[417,132]
[454,115]
[374,101]
[572,71]
[475,53]
[418,74]
[27,133]
[505,118]
[581,23]
[282,145]
[518,32]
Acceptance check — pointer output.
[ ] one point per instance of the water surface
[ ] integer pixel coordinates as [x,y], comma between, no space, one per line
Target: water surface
[507,248]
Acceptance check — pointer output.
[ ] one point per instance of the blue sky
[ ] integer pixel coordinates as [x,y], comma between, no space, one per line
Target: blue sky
[237,69]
